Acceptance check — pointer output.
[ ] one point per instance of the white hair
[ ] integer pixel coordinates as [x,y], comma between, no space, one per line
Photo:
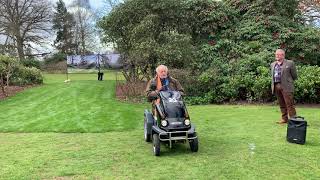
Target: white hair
[281,51]
[161,67]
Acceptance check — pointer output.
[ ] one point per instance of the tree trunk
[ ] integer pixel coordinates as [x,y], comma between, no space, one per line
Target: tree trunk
[20,48]
[83,43]
[2,86]
[8,76]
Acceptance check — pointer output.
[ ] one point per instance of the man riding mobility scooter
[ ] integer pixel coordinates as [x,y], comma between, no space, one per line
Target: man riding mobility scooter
[169,121]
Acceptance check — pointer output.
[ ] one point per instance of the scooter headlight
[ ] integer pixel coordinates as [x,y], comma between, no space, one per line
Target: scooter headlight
[187,122]
[164,123]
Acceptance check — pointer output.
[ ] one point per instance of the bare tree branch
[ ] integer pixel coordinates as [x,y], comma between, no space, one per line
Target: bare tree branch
[25,21]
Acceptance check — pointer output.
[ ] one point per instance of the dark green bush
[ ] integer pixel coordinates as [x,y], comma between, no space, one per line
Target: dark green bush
[232,80]
[197,100]
[261,88]
[248,79]
[27,76]
[32,63]
[257,87]
[307,87]
[188,81]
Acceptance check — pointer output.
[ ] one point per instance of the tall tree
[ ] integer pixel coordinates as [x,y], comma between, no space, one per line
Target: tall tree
[63,23]
[148,33]
[85,32]
[25,21]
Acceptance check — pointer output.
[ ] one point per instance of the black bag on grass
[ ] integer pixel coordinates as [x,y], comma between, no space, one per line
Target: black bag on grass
[297,130]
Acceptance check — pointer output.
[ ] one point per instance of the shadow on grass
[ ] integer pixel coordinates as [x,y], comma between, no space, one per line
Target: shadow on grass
[178,149]
[308,143]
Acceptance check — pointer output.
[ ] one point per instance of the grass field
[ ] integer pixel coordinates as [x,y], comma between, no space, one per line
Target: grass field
[79,131]
[83,105]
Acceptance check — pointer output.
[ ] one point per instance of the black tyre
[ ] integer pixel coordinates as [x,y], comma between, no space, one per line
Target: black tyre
[147,136]
[194,145]
[156,145]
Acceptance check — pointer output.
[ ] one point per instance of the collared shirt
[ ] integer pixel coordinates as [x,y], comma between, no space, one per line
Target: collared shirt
[277,73]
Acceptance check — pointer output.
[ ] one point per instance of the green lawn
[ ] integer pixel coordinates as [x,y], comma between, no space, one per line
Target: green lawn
[82,105]
[236,142]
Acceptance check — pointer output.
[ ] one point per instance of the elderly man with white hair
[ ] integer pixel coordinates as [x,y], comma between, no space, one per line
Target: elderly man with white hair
[284,74]
[162,82]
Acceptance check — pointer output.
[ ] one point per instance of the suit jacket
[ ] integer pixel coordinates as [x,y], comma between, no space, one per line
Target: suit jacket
[288,75]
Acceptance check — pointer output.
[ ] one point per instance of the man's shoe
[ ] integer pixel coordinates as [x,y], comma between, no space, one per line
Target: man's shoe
[282,121]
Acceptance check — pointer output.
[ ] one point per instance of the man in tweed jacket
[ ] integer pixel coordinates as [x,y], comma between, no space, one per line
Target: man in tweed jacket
[284,74]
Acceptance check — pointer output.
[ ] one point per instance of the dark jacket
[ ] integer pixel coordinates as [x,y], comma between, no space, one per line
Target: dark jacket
[174,85]
[288,75]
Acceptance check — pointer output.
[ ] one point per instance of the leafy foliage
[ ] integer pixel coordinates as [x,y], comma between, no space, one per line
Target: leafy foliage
[27,76]
[236,66]
[308,85]
[7,67]
[13,72]
[31,63]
